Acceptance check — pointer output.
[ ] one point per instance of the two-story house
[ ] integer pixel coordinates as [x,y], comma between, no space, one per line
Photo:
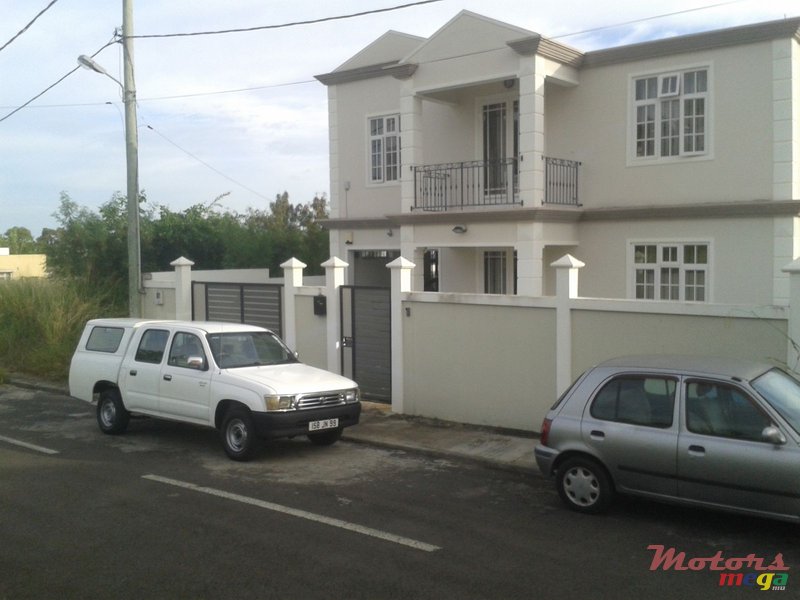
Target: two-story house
[486,152]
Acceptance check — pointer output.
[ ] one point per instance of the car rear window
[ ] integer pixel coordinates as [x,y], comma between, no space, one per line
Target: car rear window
[638,400]
[105,339]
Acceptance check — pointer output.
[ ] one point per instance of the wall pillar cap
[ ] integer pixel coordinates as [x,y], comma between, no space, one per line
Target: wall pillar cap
[568,262]
[181,262]
[294,263]
[334,261]
[401,263]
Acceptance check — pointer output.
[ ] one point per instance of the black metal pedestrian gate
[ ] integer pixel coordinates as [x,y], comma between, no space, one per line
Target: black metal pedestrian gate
[367,340]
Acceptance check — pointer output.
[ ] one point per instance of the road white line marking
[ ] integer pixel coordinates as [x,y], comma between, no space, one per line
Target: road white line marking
[294,512]
[28,446]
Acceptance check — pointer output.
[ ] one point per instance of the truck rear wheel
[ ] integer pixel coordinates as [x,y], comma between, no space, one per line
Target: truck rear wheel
[238,434]
[112,416]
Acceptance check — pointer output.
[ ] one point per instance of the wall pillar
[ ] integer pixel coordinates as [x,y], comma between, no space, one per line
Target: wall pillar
[401,284]
[183,288]
[793,326]
[292,279]
[334,279]
[566,289]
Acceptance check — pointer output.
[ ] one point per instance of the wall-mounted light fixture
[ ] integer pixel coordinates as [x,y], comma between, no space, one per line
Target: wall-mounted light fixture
[389,232]
[508,83]
[460,229]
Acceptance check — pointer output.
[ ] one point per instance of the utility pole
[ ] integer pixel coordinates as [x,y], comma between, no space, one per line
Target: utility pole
[132,161]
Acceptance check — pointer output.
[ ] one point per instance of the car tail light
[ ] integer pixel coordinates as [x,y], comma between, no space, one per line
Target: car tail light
[545,433]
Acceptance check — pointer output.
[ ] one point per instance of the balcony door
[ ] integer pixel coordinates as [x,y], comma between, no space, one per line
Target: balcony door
[500,146]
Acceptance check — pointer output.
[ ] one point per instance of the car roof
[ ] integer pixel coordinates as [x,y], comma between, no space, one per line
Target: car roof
[207,326]
[702,365]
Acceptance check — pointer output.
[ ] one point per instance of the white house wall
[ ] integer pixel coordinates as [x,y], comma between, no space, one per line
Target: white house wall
[591,123]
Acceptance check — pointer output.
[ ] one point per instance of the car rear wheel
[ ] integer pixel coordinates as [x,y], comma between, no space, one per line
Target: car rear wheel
[112,416]
[584,485]
[238,434]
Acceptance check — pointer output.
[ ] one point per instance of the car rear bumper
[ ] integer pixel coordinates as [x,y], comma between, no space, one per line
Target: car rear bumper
[270,425]
[545,458]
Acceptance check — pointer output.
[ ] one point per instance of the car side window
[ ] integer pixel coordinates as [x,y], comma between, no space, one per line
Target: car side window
[185,351]
[151,346]
[647,401]
[713,408]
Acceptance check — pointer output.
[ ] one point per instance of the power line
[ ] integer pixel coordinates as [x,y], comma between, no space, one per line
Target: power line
[51,86]
[24,29]
[205,164]
[284,25]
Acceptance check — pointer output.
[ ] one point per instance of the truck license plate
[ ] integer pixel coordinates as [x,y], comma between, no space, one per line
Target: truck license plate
[323,424]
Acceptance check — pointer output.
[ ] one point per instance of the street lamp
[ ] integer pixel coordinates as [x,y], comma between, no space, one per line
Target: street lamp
[131,155]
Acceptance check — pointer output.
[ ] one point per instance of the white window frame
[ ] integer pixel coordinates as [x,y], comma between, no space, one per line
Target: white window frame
[384,142]
[669,277]
[648,122]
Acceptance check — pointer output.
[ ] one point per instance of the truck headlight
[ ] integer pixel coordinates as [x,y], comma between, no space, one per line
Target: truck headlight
[279,402]
[351,396]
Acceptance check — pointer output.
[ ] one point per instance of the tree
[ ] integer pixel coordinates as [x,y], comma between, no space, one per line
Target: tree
[19,240]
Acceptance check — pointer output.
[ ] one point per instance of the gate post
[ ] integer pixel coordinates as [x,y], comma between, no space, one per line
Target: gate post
[183,288]
[292,279]
[334,279]
[566,288]
[401,283]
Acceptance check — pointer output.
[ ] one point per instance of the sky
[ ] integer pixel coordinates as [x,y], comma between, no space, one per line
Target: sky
[238,115]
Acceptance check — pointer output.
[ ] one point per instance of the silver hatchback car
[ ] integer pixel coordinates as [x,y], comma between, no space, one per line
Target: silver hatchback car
[713,432]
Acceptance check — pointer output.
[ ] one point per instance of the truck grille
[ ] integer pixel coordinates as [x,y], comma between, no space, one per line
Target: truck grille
[320,400]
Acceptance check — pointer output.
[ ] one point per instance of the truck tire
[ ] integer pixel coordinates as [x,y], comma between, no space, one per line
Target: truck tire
[238,434]
[325,438]
[112,416]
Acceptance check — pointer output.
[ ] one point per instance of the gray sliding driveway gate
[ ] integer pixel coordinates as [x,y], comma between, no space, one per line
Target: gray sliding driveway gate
[366,340]
[251,303]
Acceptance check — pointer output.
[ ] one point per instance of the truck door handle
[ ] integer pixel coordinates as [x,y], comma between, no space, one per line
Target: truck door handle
[132,372]
[697,450]
[597,434]
[167,377]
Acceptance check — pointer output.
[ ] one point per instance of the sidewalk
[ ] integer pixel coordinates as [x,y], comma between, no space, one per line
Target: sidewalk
[380,427]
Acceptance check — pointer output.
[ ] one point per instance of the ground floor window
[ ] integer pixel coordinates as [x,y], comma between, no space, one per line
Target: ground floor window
[670,271]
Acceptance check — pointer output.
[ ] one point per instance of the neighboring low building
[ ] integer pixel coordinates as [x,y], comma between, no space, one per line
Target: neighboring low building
[16,266]
[486,152]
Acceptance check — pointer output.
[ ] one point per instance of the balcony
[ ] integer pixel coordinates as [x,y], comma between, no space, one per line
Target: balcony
[479,183]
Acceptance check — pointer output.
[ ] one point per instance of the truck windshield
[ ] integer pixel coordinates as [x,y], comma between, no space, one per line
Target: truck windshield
[248,349]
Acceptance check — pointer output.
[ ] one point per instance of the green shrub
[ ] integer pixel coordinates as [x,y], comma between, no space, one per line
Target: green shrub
[41,321]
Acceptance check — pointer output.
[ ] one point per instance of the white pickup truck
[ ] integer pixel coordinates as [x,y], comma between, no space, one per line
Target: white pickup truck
[239,379]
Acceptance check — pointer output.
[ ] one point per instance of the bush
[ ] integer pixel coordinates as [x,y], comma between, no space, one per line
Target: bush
[41,321]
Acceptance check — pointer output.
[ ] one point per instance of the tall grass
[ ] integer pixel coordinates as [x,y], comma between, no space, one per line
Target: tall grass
[41,321]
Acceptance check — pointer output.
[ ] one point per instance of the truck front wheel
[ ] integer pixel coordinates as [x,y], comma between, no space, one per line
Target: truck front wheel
[238,434]
[112,416]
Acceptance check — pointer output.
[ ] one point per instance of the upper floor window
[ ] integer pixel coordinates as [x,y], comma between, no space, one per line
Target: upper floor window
[670,271]
[670,114]
[384,148]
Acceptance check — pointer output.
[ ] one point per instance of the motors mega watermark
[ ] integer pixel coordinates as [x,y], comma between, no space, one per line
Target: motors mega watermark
[749,571]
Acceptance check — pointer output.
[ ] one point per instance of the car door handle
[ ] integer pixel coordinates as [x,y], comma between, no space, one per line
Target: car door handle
[697,450]
[132,372]
[597,434]
[167,377]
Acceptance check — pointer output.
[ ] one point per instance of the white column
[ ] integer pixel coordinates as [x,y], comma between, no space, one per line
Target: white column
[411,138]
[566,289]
[531,132]
[793,327]
[334,279]
[183,288]
[401,284]
[292,279]
[530,254]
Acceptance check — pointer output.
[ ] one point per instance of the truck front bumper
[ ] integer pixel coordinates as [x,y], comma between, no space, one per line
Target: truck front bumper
[270,425]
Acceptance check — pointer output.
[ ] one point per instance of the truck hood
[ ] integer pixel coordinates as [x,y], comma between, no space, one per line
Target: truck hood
[293,378]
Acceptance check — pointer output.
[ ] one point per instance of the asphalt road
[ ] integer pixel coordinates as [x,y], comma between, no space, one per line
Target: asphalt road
[160,512]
